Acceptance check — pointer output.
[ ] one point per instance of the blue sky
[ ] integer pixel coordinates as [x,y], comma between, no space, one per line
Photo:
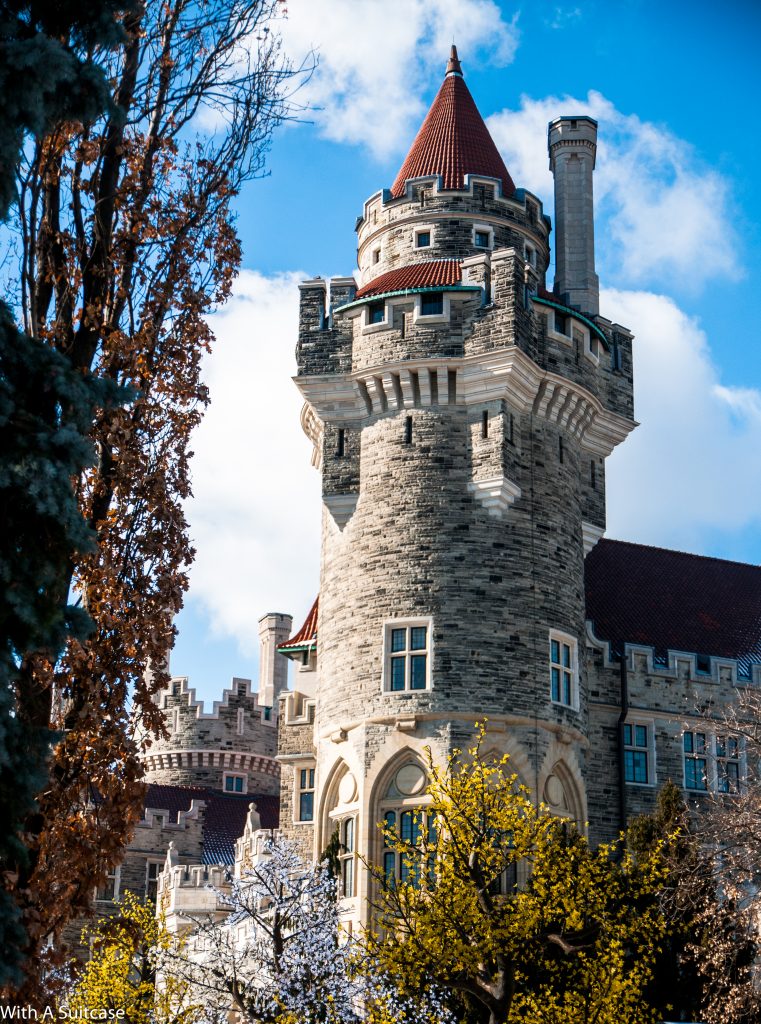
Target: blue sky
[674,87]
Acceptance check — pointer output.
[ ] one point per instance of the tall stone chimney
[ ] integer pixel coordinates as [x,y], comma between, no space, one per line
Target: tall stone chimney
[274,629]
[572,143]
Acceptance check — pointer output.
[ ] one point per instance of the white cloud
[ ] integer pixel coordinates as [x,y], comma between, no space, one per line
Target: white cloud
[660,211]
[693,467]
[255,514]
[375,58]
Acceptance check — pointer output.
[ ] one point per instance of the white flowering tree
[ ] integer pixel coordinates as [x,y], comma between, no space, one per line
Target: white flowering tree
[278,955]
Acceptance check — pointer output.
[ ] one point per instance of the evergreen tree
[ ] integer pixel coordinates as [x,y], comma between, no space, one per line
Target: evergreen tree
[47,75]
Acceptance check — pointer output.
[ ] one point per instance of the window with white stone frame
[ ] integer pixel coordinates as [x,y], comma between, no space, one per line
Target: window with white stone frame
[423,236]
[696,747]
[408,828]
[347,855]
[110,889]
[711,763]
[727,764]
[305,794]
[483,236]
[233,782]
[638,755]
[407,661]
[563,670]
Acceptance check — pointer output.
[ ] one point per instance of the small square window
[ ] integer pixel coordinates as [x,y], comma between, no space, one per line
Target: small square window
[432,304]
[376,313]
[235,784]
[376,255]
[422,239]
[561,323]
[482,239]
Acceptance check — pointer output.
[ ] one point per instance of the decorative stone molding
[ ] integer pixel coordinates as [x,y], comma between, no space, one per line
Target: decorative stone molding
[506,373]
[496,495]
[341,507]
[591,534]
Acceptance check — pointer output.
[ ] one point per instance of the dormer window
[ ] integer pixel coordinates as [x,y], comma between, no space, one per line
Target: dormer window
[432,304]
[376,312]
[422,238]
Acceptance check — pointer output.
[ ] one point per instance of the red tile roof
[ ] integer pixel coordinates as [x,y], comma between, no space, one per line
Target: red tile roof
[224,816]
[674,601]
[453,141]
[433,274]
[308,632]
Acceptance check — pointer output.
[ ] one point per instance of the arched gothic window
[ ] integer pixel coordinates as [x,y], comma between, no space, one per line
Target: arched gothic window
[403,817]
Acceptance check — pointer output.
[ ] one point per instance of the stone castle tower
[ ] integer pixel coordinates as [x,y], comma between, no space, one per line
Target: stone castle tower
[461,415]
[233,748]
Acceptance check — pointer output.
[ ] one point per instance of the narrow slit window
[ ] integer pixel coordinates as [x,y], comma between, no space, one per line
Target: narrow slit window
[561,452]
[593,474]
[485,423]
[340,446]
[408,430]
[452,383]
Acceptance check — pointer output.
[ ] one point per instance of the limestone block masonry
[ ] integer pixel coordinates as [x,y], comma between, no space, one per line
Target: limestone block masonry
[237,739]
[461,427]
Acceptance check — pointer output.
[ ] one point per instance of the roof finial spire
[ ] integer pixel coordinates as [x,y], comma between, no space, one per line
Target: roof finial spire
[453,64]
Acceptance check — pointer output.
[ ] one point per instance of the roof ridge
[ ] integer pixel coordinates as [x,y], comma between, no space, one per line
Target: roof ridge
[678,551]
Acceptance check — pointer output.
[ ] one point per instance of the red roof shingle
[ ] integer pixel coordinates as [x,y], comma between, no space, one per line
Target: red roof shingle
[433,274]
[308,632]
[674,601]
[453,141]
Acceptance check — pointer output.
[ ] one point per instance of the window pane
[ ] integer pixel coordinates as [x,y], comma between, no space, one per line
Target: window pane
[566,656]
[238,785]
[377,313]
[567,688]
[720,747]
[555,651]
[229,784]
[349,835]
[306,805]
[418,671]
[390,819]
[311,778]
[431,304]
[389,866]
[640,735]
[398,639]
[303,778]
[627,735]
[689,774]
[348,877]
[732,746]
[700,742]
[639,764]
[417,643]
[556,684]
[397,673]
[423,238]
[406,823]
[687,742]
[629,765]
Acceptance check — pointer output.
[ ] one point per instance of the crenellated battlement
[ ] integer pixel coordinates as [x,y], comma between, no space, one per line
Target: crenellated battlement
[231,748]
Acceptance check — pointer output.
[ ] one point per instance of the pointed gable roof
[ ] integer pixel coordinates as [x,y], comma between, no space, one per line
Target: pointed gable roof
[453,140]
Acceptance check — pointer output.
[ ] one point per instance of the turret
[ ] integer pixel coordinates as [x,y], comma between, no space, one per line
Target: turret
[572,144]
[274,629]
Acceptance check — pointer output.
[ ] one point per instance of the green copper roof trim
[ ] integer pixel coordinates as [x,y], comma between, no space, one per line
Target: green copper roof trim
[409,291]
[579,316]
[296,648]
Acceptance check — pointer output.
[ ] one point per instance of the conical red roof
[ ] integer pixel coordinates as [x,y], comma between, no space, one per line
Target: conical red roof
[453,140]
